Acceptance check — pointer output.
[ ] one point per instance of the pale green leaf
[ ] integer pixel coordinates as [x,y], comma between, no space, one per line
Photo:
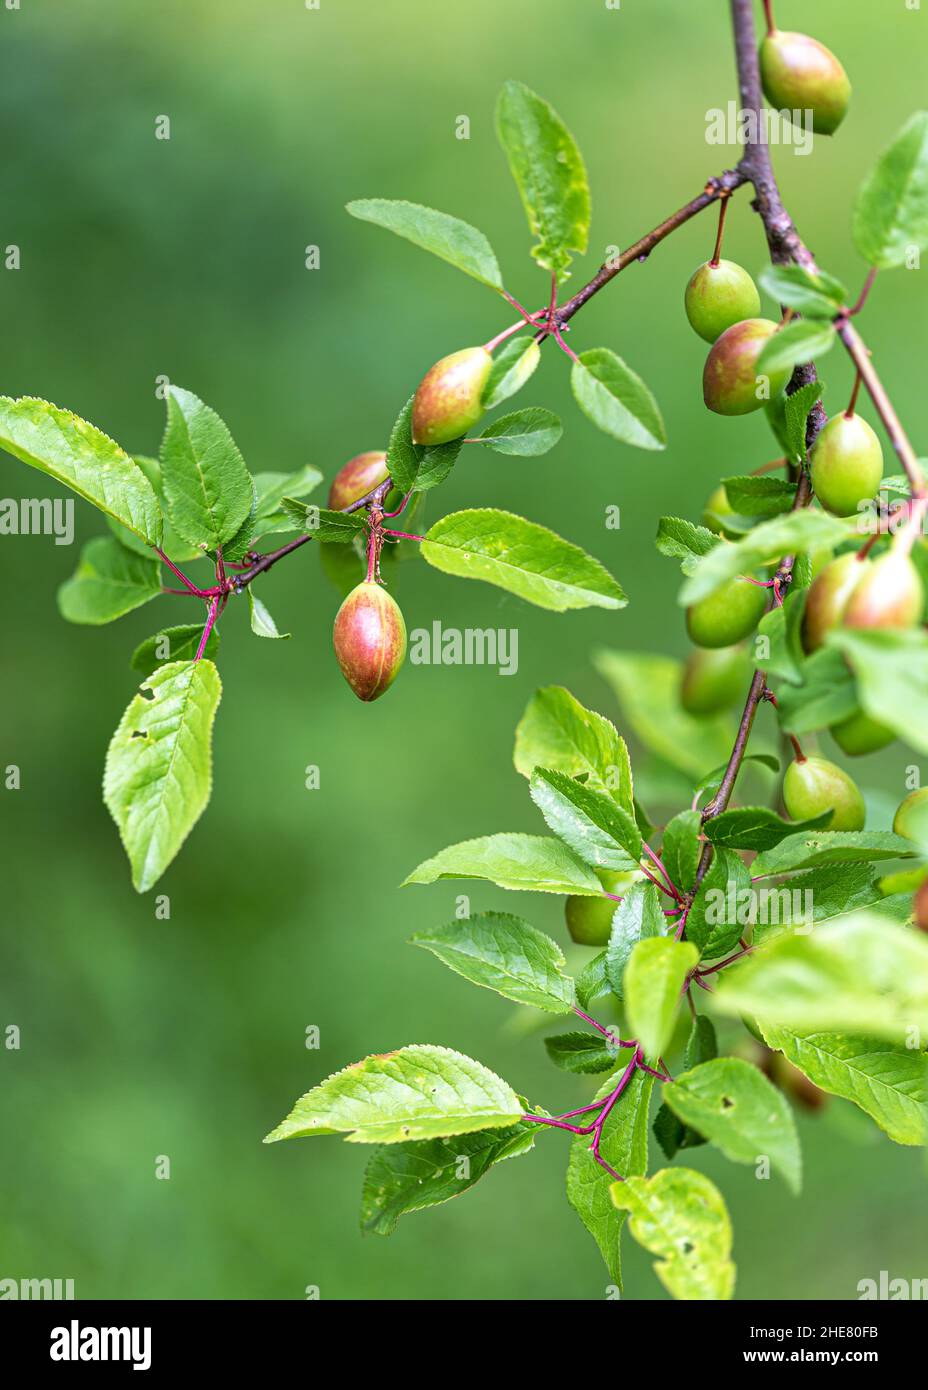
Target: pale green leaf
[812,293]
[594,826]
[804,851]
[802,340]
[530,863]
[557,731]
[209,490]
[82,457]
[733,1105]
[417,1092]
[549,173]
[888,1082]
[159,765]
[638,917]
[616,399]
[513,363]
[891,667]
[765,544]
[680,1216]
[452,240]
[110,580]
[503,953]
[262,624]
[891,213]
[521,557]
[524,433]
[653,987]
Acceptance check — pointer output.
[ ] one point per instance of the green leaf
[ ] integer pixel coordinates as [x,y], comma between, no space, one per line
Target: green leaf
[616,399]
[624,1146]
[556,731]
[800,341]
[418,466]
[590,823]
[814,294]
[262,624]
[683,541]
[82,457]
[756,827]
[524,433]
[417,1092]
[521,557]
[653,986]
[733,1105]
[528,863]
[584,1054]
[827,693]
[681,1216]
[328,527]
[681,848]
[891,213]
[763,495]
[767,543]
[110,580]
[716,918]
[648,690]
[403,1178]
[449,238]
[702,1044]
[889,1083]
[178,550]
[209,490]
[159,765]
[818,895]
[861,974]
[549,174]
[638,917]
[172,644]
[796,410]
[891,666]
[501,952]
[672,1135]
[591,982]
[513,363]
[267,517]
[804,851]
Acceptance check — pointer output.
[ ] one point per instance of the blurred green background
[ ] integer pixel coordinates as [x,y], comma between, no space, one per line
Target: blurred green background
[185,1037]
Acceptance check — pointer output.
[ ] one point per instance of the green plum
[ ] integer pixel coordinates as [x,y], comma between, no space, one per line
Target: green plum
[714,679]
[718,295]
[847,464]
[370,640]
[730,382]
[859,734]
[728,615]
[813,786]
[891,594]
[828,597]
[911,818]
[589,920]
[359,476]
[448,401]
[801,74]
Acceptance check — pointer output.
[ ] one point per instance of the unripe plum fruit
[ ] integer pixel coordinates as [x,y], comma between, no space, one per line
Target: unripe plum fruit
[719,295]
[589,920]
[891,594]
[370,640]
[801,74]
[716,509]
[859,734]
[714,679]
[828,598]
[815,785]
[847,464]
[729,379]
[448,402]
[357,478]
[911,818]
[726,616]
